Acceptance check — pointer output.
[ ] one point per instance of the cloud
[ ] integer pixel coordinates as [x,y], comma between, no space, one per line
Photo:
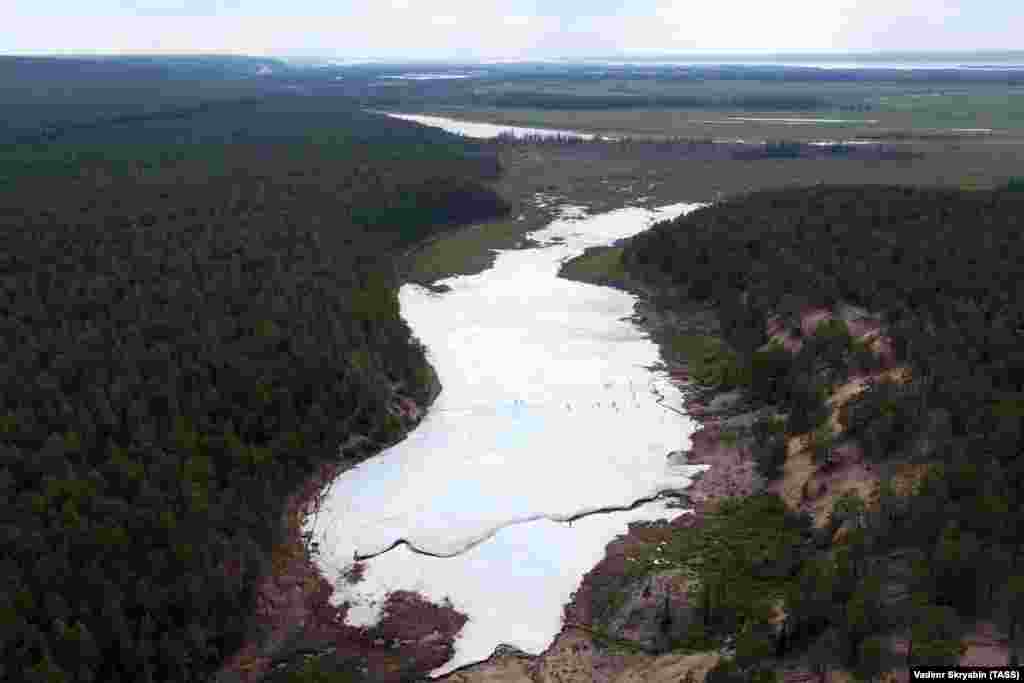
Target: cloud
[516,20]
[804,25]
[178,7]
[730,25]
[932,25]
[468,28]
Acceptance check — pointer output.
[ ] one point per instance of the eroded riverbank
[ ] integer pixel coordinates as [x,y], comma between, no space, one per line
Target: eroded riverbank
[294,621]
[629,615]
[619,626]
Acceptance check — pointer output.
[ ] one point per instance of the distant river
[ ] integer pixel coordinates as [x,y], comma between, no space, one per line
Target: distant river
[548,412]
[489,130]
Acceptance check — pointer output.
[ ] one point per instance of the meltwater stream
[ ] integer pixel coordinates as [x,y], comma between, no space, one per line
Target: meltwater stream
[548,412]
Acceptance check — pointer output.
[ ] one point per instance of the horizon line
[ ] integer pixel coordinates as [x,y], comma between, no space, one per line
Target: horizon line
[644,54]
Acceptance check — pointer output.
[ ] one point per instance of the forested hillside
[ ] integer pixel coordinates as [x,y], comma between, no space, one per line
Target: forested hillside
[944,268]
[189,327]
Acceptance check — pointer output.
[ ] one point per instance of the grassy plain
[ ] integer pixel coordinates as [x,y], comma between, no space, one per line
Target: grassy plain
[666,103]
[465,250]
[601,265]
[605,176]
[903,118]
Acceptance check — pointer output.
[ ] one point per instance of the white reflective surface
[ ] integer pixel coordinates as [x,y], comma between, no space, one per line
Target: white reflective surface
[487,130]
[547,412]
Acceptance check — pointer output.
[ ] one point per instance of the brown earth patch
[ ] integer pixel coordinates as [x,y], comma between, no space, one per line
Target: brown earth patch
[865,329]
[413,637]
[851,476]
[574,658]
[611,574]
[671,669]
[797,470]
[907,476]
[808,487]
[732,470]
[986,645]
[812,317]
[498,669]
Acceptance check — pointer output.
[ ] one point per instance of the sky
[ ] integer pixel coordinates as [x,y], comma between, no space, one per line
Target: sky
[515,29]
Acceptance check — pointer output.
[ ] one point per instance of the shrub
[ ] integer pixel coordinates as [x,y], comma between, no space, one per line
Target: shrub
[725,671]
[862,357]
[711,362]
[761,675]
[832,337]
[315,671]
[390,428]
[769,368]
[730,372]
[767,427]
[696,639]
[822,444]
[740,560]
[770,446]
[770,458]
[754,643]
[1015,184]
[807,408]
[885,417]
[935,635]
[833,329]
[870,658]
[828,350]
[850,508]
[729,436]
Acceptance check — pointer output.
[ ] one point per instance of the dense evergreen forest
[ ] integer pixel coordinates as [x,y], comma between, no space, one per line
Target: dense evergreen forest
[197,307]
[944,267]
[752,102]
[195,312]
[40,94]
